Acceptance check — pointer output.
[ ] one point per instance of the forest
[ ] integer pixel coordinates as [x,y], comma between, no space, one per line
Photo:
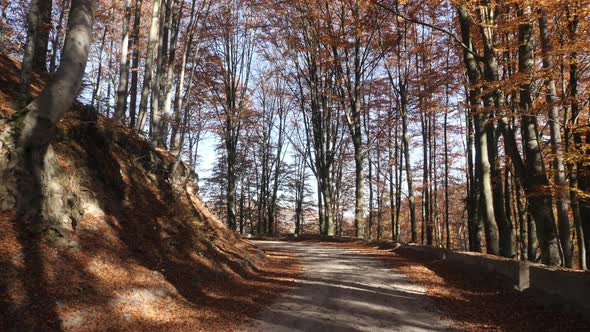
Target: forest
[464,124]
[300,165]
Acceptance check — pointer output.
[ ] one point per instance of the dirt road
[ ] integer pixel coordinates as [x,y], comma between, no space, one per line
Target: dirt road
[346,291]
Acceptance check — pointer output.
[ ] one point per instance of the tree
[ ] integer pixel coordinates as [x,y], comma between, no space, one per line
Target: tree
[556,141]
[234,48]
[149,62]
[399,81]
[3,20]
[56,42]
[353,37]
[121,103]
[29,50]
[42,35]
[44,112]
[135,48]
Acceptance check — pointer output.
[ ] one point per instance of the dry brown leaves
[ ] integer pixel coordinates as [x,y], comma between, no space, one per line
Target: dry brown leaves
[106,287]
[10,82]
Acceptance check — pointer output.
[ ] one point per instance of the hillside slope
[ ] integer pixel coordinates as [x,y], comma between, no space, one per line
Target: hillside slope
[126,243]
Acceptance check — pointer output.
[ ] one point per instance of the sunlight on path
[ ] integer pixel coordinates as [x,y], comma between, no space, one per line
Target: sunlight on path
[346,291]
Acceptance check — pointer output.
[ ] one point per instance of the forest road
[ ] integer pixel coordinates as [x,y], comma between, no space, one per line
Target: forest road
[342,290]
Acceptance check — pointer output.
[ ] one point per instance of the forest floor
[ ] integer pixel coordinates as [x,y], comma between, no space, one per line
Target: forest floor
[112,293]
[377,285]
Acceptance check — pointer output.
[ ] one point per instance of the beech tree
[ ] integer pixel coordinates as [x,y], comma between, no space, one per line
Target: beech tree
[234,49]
[42,35]
[148,72]
[29,49]
[57,40]
[121,104]
[44,112]
[37,39]
[3,20]
[354,24]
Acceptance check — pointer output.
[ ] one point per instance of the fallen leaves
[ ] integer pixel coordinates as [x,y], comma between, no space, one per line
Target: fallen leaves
[111,290]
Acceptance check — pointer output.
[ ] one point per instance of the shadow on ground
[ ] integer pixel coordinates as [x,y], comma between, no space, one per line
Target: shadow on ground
[341,290]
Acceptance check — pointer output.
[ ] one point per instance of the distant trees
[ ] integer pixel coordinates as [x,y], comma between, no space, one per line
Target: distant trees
[234,48]
[271,134]
[352,29]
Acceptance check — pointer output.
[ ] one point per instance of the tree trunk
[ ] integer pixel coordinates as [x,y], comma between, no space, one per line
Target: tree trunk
[536,182]
[33,20]
[121,104]
[482,183]
[328,211]
[398,189]
[299,193]
[158,86]
[507,196]
[177,121]
[149,61]
[3,21]
[282,113]
[577,220]
[532,241]
[506,237]
[433,185]
[583,171]
[321,218]
[473,225]
[486,202]
[371,199]
[42,36]
[97,91]
[392,172]
[231,187]
[45,111]
[135,65]
[379,198]
[242,199]
[109,74]
[446,160]
[556,144]
[174,139]
[426,221]
[359,191]
[56,41]
[174,23]
[406,144]
[522,219]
